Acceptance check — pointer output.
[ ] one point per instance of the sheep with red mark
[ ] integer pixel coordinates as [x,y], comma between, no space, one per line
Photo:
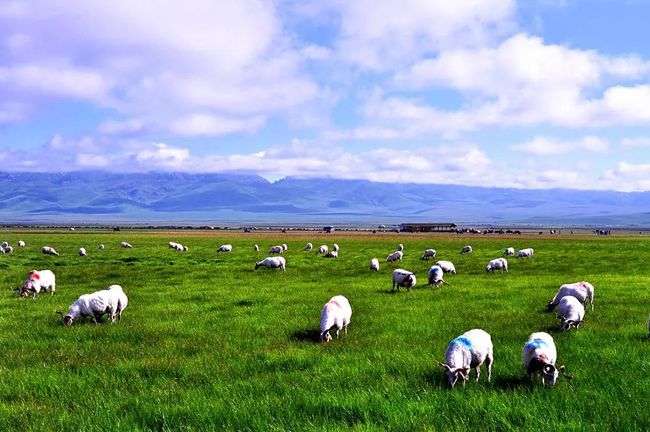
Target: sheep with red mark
[539,356]
[583,291]
[37,281]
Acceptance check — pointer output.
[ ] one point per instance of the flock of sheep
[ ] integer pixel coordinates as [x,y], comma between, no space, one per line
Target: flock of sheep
[468,351]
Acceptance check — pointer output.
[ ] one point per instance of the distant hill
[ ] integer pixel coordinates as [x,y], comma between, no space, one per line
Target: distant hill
[101,197]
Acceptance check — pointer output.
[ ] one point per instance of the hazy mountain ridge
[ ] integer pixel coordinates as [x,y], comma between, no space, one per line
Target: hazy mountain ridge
[176,197]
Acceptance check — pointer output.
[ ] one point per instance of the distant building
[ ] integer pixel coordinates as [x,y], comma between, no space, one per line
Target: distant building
[427,227]
[328,228]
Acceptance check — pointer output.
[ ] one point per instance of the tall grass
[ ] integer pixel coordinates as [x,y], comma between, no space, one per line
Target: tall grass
[209,343]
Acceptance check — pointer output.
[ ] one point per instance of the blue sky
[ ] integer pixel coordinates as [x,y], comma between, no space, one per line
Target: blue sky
[530,94]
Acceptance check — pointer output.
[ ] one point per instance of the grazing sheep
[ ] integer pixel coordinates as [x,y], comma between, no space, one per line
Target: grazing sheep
[122,299]
[38,281]
[332,254]
[101,246]
[323,249]
[571,312]
[335,247]
[4,245]
[256,248]
[374,264]
[272,263]
[395,256]
[125,245]
[21,243]
[336,314]
[497,264]
[466,249]
[276,250]
[173,245]
[49,251]
[583,291]
[539,356]
[403,278]
[429,253]
[82,252]
[525,253]
[447,266]
[284,246]
[509,252]
[468,351]
[308,247]
[225,248]
[436,276]
[94,305]
[8,250]
[400,247]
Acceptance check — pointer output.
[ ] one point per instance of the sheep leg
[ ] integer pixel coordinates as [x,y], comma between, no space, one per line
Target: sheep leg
[488,363]
[478,372]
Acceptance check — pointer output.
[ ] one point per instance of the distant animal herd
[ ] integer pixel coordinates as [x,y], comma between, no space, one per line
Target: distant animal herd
[468,351]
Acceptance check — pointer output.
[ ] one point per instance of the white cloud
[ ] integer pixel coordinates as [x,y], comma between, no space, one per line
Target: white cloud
[549,146]
[383,34]
[628,177]
[159,63]
[636,142]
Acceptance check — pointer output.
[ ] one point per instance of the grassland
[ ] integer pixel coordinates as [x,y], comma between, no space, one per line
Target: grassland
[207,343]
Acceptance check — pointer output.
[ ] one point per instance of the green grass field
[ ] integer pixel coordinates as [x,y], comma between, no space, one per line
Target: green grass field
[207,343]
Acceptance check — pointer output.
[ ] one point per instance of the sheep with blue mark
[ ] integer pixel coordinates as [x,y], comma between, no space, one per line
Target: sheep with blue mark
[468,351]
[436,276]
[539,356]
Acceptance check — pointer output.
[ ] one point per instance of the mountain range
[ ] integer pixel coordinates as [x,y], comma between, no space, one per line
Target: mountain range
[162,198]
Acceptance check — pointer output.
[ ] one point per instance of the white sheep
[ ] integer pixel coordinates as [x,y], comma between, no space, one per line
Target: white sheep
[429,253]
[272,263]
[8,250]
[539,356]
[284,246]
[126,245]
[332,254]
[571,312]
[335,247]
[256,248]
[583,291]
[38,281]
[4,245]
[374,264]
[403,278]
[509,252]
[497,264]
[101,246]
[468,351]
[225,248]
[276,250]
[173,245]
[122,299]
[94,305]
[323,249]
[400,247]
[49,251]
[395,256]
[525,253]
[447,266]
[336,314]
[466,249]
[21,243]
[308,247]
[82,252]
[436,275]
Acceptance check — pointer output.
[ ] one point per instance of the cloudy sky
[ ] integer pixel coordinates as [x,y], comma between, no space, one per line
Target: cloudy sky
[533,94]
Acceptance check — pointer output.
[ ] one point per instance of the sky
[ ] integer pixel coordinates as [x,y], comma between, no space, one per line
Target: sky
[498,93]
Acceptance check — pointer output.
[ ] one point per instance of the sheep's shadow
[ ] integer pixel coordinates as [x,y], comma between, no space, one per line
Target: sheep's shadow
[435,378]
[390,291]
[309,335]
[512,382]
